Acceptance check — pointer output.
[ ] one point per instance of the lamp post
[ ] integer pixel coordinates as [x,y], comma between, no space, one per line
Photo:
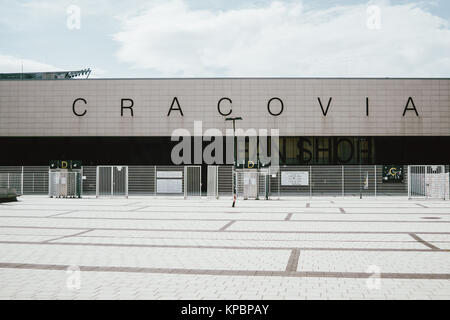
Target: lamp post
[234,119]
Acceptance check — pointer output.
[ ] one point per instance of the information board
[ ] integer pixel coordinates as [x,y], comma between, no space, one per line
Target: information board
[169,186]
[295,178]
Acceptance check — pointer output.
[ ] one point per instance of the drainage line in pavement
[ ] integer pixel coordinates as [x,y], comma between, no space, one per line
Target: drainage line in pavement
[426,243]
[298,274]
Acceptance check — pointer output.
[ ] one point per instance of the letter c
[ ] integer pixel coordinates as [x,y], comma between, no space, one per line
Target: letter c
[73,107]
[218,107]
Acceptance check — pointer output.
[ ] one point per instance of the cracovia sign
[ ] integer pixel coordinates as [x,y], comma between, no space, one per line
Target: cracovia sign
[275,106]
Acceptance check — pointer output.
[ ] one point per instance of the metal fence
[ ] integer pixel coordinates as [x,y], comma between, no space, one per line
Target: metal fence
[11,180]
[342,181]
[112,181]
[26,180]
[315,181]
[427,182]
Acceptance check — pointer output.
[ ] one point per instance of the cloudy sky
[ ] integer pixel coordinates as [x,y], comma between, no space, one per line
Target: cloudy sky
[227,38]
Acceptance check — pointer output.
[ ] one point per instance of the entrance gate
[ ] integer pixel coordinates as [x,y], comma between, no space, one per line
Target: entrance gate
[112,181]
[253,184]
[213,185]
[426,182]
[192,181]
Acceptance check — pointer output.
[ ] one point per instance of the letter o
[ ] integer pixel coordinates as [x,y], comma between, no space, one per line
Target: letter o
[218,107]
[282,107]
[73,107]
[351,150]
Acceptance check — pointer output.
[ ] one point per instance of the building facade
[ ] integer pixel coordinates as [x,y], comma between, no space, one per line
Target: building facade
[319,121]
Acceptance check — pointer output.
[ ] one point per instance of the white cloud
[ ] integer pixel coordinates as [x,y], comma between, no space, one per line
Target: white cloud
[285,39]
[10,64]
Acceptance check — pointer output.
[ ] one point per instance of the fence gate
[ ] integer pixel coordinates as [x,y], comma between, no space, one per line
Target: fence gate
[427,182]
[112,181]
[63,183]
[250,184]
[213,185]
[192,181]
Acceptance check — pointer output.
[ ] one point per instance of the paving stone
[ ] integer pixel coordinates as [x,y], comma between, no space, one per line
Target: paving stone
[146,248]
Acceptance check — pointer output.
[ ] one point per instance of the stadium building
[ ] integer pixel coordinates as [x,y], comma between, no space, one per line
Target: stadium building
[321,121]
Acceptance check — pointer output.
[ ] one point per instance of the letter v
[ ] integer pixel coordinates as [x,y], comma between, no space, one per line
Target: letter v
[328,106]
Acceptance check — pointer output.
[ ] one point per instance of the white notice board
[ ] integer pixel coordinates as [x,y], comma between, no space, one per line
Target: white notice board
[169,186]
[294,178]
[169,174]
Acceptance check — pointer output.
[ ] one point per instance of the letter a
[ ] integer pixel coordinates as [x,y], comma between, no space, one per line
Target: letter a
[413,108]
[175,100]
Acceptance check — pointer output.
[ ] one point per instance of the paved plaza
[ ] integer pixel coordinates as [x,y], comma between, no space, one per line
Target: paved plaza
[148,248]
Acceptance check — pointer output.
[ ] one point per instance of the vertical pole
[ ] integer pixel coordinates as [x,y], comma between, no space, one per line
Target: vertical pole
[112,180]
[310,182]
[375,175]
[359,153]
[234,162]
[81,182]
[279,182]
[217,182]
[8,179]
[22,181]
[185,180]
[409,183]
[126,181]
[154,182]
[97,182]
[343,178]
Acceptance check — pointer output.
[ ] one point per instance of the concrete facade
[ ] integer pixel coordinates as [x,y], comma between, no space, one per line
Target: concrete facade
[44,108]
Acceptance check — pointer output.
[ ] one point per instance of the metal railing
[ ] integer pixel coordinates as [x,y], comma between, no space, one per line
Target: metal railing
[11,180]
[314,181]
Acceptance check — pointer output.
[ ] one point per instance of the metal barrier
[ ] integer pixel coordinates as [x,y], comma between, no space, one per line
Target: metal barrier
[112,181]
[65,184]
[285,181]
[213,182]
[427,182]
[11,180]
[225,181]
[169,180]
[337,181]
[193,181]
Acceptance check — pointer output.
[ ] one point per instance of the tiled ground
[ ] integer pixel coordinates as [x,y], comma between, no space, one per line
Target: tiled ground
[146,248]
